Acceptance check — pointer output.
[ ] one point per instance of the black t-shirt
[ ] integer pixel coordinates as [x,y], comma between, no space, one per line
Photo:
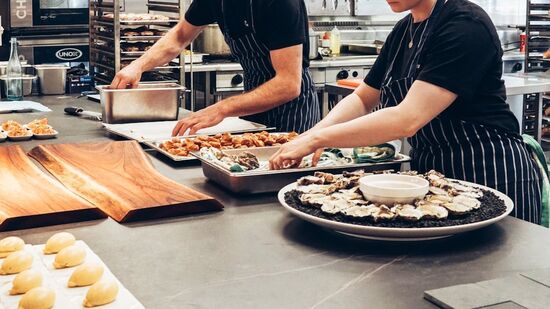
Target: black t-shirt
[278,23]
[464,56]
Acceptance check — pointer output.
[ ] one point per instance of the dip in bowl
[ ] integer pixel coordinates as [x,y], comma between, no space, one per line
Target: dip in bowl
[393,188]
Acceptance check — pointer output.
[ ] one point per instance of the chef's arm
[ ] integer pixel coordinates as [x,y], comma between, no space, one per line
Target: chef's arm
[422,104]
[361,102]
[165,50]
[284,87]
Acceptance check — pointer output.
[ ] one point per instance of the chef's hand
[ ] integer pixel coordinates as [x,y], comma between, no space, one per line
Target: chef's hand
[290,155]
[129,76]
[204,118]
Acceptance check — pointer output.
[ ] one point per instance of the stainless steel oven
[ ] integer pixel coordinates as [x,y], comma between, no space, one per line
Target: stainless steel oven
[28,14]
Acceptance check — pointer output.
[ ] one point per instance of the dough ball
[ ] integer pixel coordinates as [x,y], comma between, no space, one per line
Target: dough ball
[16,262]
[58,242]
[38,298]
[10,244]
[101,293]
[69,257]
[86,274]
[26,281]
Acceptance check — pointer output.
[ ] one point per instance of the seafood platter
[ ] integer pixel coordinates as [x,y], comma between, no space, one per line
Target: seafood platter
[403,206]
[38,128]
[246,171]
[64,273]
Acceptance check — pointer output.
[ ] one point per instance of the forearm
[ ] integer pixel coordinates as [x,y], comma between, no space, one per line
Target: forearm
[351,107]
[269,95]
[382,126]
[165,50]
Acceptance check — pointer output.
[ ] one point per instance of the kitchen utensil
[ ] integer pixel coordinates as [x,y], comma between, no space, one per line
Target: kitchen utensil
[264,181]
[52,78]
[32,199]
[77,111]
[147,102]
[119,179]
[396,234]
[211,41]
[27,84]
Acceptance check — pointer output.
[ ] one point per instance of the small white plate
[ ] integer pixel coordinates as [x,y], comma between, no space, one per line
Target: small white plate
[3,136]
[46,136]
[397,234]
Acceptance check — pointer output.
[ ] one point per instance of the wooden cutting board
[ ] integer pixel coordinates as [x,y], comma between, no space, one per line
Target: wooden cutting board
[30,198]
[118,178]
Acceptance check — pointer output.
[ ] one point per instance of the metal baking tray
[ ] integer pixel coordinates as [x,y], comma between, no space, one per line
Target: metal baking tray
[146,102]
[158,131]
[156,145]
[265,181]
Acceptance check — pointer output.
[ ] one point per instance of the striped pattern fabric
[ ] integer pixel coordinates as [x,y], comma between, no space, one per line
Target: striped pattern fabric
[298,115]
[468,151]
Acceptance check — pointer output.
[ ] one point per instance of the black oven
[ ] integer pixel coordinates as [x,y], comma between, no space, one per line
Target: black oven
[38,14]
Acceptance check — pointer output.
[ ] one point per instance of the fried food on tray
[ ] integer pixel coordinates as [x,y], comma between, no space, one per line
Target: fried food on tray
[18,131]
[37,123]
[182,147]
[41,127]
[10,125]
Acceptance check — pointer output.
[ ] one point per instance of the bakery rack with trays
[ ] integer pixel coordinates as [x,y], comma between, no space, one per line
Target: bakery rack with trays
[109,38]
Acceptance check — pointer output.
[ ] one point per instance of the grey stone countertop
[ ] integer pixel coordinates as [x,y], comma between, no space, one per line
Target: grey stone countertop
[256,255]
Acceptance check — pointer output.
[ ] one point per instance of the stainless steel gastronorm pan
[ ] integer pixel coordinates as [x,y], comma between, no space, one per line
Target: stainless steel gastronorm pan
[147,102]
[265,181]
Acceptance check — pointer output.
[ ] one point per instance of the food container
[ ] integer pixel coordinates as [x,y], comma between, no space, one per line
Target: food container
[27,84]
[26,69]
[52,78]
[147,102]
[212,41]
[264,181]
[393,188]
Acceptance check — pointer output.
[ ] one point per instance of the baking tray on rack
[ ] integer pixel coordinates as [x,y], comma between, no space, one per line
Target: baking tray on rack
[266,181]
[162,130]
[140,22]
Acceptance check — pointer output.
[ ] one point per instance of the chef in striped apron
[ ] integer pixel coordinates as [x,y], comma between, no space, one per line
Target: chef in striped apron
[438,81]
[269,38]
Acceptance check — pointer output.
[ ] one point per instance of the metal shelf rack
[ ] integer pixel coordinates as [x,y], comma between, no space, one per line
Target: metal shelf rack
[107,39]
[537,30]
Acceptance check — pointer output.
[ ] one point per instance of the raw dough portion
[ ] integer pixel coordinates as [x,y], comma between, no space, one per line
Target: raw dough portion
[16,263]
[38,298]
[69,257]
[101,293]
[86,274]
[10,244]
[26,281]
[58,242]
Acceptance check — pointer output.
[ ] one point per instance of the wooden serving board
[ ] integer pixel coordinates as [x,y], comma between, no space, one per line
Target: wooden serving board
[30,198]
[118,178]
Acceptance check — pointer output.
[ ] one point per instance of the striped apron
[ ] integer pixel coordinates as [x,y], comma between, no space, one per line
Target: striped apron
[298,115]
[465,150]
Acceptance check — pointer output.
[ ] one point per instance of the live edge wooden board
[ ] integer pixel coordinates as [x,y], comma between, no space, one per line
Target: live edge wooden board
[30,198]
[118,178]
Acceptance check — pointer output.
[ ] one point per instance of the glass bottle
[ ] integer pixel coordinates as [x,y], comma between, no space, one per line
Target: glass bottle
[14,81]
[335,41]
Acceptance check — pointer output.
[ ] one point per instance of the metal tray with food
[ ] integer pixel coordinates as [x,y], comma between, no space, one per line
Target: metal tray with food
[162,130]
[263,180]
[180,148]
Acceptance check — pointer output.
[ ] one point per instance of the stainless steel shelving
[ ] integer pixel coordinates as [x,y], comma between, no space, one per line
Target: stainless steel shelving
[106,40]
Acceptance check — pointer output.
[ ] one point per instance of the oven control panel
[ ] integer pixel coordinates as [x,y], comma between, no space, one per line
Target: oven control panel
[335,74]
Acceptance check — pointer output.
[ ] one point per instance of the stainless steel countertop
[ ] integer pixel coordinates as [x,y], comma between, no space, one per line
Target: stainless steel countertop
[516,84]
[255,255]
[347,61]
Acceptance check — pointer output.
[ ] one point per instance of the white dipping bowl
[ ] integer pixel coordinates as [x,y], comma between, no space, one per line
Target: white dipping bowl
[393,188]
